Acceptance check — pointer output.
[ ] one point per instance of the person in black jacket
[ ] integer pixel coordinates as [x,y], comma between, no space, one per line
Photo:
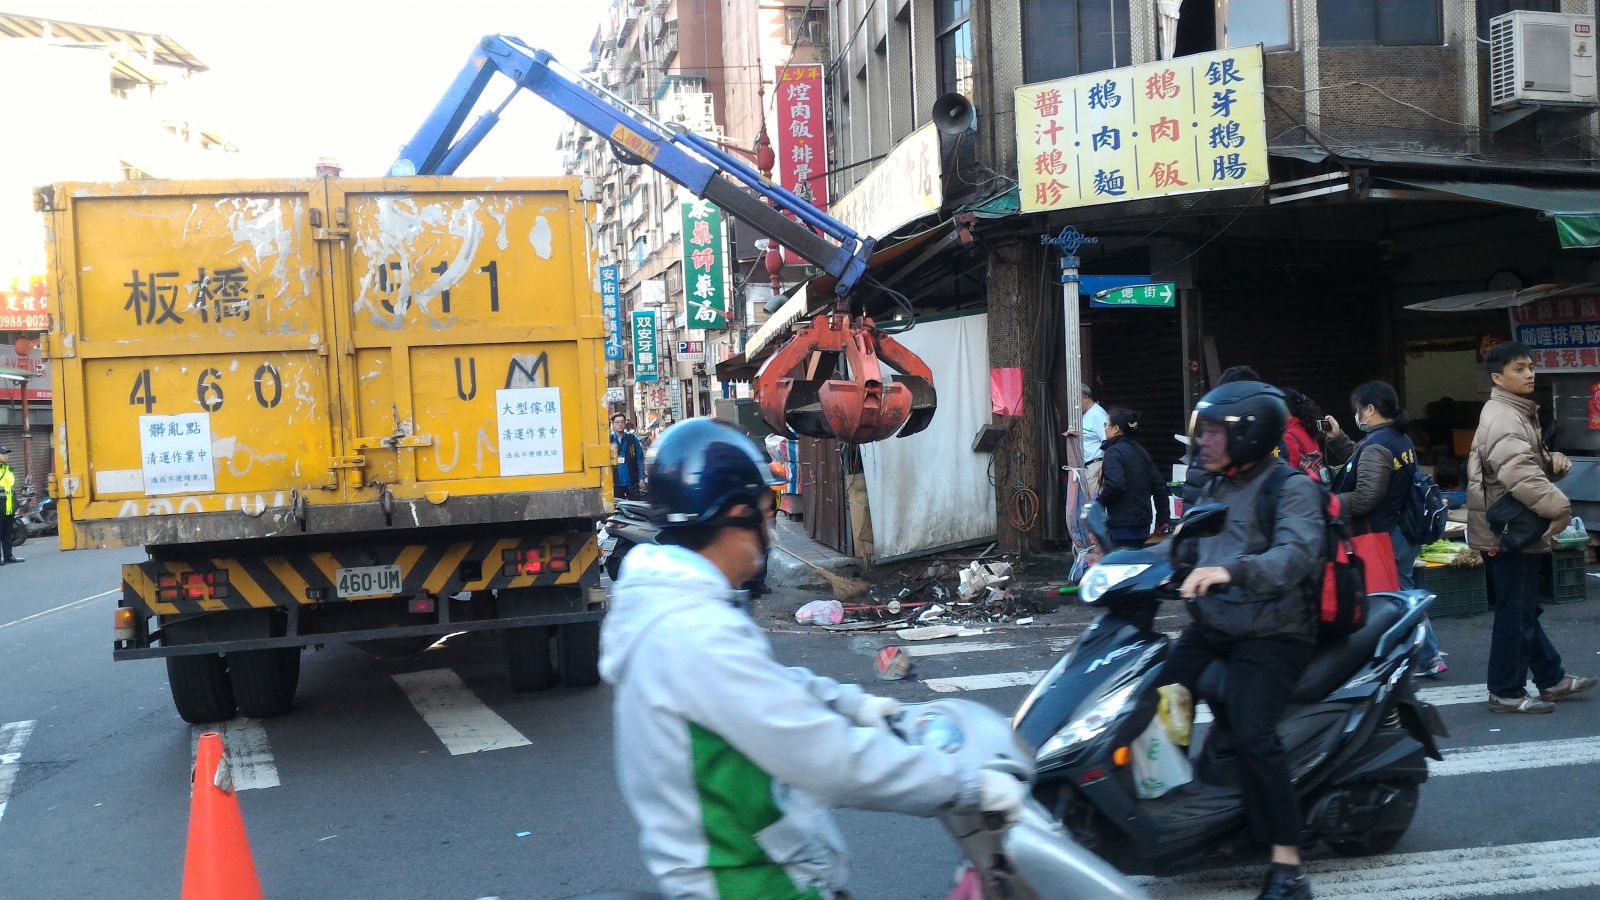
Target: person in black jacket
[1195,480]
[1130,484]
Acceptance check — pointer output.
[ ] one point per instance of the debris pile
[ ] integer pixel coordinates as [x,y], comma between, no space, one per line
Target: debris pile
[938,594]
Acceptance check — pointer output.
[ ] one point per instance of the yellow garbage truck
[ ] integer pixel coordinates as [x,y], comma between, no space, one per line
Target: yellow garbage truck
[331,410]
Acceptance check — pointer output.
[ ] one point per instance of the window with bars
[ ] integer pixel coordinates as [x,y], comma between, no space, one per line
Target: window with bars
[1070,37]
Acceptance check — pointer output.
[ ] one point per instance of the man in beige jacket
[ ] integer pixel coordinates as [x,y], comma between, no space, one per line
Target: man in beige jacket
[1508,455]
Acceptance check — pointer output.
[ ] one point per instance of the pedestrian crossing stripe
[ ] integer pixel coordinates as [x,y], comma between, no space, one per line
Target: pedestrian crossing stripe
[282,581]
[1539,868]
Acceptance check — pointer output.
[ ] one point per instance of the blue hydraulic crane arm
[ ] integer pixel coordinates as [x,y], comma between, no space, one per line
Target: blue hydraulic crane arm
[684,157]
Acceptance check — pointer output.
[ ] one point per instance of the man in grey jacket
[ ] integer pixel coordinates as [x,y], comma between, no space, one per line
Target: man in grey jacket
[1251,608]
[728,760]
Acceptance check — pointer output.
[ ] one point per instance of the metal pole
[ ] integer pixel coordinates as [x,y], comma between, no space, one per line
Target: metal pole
[1071,326]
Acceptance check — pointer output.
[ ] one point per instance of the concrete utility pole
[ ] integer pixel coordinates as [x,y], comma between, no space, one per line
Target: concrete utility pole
[1014,299]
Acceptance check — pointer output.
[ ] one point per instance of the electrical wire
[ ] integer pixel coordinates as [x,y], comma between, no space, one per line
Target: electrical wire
[1256,195]
[1022,508]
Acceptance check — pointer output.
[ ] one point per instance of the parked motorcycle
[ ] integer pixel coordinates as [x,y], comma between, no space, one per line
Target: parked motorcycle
[1032,859]
[40,519]
[625,529]
[1355,733]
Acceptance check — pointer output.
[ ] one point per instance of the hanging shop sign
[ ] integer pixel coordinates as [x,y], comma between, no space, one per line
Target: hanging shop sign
[646,364]
[1563,334]
[1179,126]
[704,266]
[802,139]
[611,309]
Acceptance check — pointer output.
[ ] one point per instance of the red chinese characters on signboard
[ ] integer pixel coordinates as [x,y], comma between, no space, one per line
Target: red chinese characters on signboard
[24,307]
[802,141]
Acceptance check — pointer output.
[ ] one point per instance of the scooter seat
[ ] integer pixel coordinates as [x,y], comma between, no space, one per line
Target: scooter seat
[1334,663]
[635,508]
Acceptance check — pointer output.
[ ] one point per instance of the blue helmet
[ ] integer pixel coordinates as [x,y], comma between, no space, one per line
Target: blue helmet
[699,468]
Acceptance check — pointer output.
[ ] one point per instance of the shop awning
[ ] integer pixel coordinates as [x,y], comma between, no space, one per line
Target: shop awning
[1483,300]
[9,374]
[1576,210]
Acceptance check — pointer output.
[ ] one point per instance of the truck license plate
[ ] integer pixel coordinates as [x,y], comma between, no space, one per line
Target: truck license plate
[368,581]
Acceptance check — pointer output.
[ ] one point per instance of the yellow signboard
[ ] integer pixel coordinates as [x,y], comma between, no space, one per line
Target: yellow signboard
[1196,123]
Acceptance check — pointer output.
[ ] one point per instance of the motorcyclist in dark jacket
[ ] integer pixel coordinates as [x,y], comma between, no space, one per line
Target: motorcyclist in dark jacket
[1130,483]
[1251,607]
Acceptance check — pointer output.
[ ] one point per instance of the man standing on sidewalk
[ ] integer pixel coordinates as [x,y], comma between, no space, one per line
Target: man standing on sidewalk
[8,506]
[630,458]
[1093,437]
[1509,459]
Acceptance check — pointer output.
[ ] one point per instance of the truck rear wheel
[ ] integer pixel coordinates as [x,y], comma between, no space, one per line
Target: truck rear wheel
[200,688]
[527,654]
[578,653]
[264,681]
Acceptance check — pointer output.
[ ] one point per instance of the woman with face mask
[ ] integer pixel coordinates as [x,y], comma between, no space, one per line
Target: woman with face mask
[1374,485]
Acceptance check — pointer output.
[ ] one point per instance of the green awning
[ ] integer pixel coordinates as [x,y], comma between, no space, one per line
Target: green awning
[1576,210]
[10,374]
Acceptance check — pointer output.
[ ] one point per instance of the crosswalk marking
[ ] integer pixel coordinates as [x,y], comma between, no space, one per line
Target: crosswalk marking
[950,648]
[250,760]
[13,737]
[462,721]
[1539,868]
[1511,757]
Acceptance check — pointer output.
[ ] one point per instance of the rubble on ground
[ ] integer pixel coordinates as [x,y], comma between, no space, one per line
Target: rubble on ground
[938,599]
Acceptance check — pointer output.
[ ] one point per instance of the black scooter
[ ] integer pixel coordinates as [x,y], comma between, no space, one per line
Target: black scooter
[1355,733]
[626,528]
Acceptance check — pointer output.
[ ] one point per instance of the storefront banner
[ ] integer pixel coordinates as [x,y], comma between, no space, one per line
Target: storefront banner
[646,366]
[24,307]
[802,138]
[1563,334]
[1195,123]
[704,266]
[903,187]
[611,309]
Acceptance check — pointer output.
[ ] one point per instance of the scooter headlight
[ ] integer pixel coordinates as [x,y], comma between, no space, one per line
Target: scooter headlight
[1091,724]
[1100,579]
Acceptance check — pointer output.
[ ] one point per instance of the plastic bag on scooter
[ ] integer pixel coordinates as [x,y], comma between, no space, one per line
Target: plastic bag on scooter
[1159,763]
[1176,712]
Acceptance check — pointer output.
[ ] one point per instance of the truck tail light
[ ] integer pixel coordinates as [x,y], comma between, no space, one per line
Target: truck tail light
[535,561]
[123,622]
[192,586]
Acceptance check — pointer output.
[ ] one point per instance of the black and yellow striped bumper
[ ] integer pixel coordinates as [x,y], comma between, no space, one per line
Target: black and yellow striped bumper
[265,582]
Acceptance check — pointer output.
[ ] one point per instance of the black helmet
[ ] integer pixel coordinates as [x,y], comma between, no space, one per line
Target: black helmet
[699,468]
[1253,413]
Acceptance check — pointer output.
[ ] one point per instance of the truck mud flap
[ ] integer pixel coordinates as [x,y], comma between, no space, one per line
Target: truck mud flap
[174,588]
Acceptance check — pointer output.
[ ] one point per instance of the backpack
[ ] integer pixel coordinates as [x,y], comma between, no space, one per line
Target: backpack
[1340,587]
[1425,515]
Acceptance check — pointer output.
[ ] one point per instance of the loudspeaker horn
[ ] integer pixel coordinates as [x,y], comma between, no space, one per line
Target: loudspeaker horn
[954,114]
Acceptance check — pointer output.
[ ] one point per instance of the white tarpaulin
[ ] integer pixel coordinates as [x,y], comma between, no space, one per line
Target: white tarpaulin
[930,490]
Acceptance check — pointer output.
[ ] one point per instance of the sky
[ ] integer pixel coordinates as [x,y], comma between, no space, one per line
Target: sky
[294,80]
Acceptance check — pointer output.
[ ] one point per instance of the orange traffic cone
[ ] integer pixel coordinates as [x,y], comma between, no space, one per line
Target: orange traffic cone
[217,865]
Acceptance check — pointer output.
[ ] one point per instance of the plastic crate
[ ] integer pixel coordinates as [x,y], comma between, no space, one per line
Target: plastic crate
[1568,576]
[1457,590]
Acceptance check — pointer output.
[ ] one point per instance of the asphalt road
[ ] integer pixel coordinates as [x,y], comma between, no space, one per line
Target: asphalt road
[356,794]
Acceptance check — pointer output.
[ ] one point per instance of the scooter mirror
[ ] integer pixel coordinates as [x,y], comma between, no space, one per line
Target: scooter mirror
[1205,520]
[1094,516]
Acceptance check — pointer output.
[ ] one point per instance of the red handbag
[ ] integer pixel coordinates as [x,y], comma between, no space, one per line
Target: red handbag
[1376,551]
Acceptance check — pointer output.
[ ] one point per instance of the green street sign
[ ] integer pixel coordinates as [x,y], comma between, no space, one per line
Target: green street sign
[1162,293]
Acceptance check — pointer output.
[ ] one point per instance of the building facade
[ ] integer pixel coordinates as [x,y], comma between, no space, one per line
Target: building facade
[102,104]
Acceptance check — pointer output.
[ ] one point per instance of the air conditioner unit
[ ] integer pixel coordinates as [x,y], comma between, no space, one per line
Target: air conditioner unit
[1541,57]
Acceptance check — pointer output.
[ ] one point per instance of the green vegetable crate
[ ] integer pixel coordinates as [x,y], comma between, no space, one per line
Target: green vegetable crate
[1457,590]
[1568,574]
